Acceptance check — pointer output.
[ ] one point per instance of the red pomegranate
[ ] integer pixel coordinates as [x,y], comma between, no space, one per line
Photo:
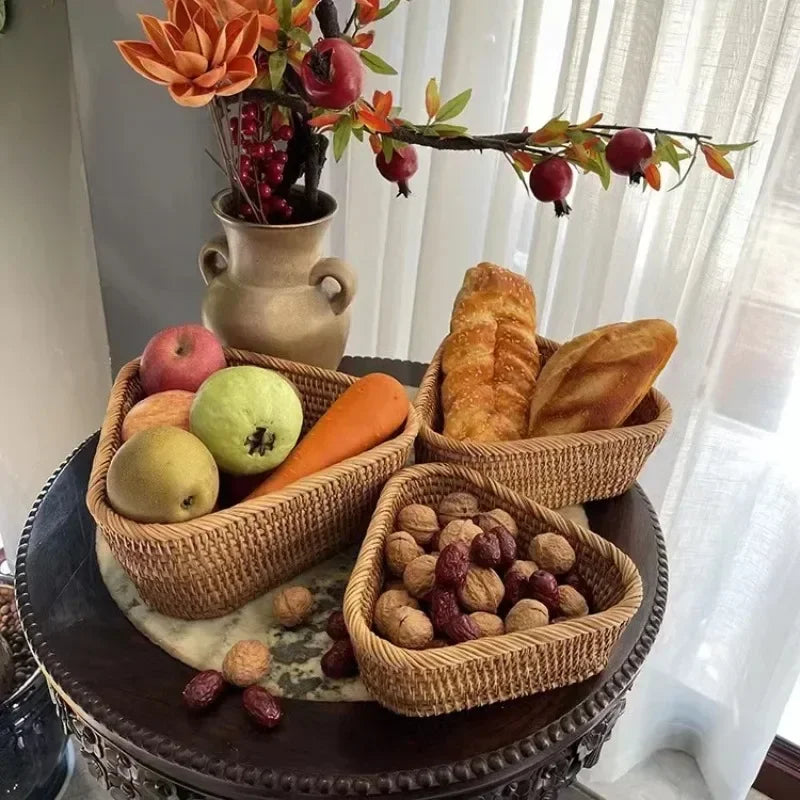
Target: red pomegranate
[332,74]
[627,152]
[401,166]
[550,182]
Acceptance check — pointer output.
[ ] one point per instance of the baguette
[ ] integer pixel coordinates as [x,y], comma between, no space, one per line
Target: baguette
[595,381]
[490,360]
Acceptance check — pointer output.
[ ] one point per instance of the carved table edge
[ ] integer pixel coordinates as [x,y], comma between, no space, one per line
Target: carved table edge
[478,767]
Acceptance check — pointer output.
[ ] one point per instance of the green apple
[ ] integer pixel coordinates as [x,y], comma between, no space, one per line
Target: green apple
[248,417]
[162,474]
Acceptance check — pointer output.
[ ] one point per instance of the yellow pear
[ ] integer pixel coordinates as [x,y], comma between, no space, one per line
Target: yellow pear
[162,474]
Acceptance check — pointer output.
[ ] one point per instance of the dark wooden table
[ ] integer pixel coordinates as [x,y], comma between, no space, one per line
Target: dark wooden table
[121,695]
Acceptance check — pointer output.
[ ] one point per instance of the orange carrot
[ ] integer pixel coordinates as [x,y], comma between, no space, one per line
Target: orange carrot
[366,414]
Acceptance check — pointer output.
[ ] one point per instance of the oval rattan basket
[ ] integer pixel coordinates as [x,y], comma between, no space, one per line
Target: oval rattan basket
[214,564]
[437,681]
[555,470]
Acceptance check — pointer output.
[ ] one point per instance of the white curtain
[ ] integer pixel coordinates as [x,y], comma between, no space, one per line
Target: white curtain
[715,257]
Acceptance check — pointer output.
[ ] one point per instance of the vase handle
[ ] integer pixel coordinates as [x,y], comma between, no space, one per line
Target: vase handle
[338,270]
[211,253]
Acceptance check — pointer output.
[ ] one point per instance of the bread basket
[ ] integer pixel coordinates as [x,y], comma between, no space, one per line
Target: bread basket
[555,470]
[214,564]
[437,681]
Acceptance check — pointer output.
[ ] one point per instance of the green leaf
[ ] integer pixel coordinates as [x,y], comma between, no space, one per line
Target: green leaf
[520,175]
[387,9]
[387,145]
[666,151]
[376,63]
[445,131]
[277,66]
[452,108]
[682,156]
[284,13]
[341,136]
[578,136]
[301,36]
[599,166]
[359,133]
[679,144]
[730,148]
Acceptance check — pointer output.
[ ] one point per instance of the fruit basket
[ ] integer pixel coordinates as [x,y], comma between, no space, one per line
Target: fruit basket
[487,670]
[214,564]
[555,470]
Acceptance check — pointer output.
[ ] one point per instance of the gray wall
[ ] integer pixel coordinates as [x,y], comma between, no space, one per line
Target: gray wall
[150,182]
[53,349]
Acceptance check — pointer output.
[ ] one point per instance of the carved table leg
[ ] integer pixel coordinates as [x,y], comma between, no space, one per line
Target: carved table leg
[119,774]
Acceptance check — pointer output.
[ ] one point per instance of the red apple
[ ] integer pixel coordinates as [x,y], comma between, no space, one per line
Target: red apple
[180,358]
[163,408]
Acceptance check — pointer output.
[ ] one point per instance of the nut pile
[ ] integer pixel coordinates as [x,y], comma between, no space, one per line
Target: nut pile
[467,574]
[21,666]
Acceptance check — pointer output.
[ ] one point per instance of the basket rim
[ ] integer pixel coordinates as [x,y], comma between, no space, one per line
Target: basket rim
[399,659]
[107,518]
[424,402]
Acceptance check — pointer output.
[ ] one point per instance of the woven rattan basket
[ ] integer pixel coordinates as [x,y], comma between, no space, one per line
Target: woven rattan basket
[214,564]
[476,673]
[555,470]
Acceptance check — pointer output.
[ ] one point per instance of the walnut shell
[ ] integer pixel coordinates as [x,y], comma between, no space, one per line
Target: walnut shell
[400,550]
[459,530]
[246,663]
[488,520]
[388,602]
[420,575]
[292,606]
[458,505]
[571,602]
[552,552]
[526,615]
[488,624]
[420,521]
[523,568]
[482,590]
[410,628]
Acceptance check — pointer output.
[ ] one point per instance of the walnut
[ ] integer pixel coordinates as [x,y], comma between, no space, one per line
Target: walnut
[489,520]
[388,602]
[524,568]
[410,628]
[400,550]
[246,663]
[571,602]
[553,553]
[420,575]
[420,521]
[482,590]
[458,505]
[459,530]
[526,615]
[488,624]
[292,606]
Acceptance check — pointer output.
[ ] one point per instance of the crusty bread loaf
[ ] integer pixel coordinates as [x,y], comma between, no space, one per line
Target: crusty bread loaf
[596,380]
[490,359]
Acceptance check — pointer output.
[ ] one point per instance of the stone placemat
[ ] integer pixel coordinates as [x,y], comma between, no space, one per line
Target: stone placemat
[202,644]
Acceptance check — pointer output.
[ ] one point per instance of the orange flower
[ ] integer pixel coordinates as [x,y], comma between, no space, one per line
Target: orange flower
[375,119]
[368,10]
[196,56]
[363,40]
[267,17]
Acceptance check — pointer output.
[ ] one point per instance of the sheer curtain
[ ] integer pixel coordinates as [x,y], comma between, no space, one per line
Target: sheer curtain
[717,258]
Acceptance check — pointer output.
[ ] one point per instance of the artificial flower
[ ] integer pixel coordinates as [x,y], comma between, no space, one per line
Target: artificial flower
[195,54]
[375,118]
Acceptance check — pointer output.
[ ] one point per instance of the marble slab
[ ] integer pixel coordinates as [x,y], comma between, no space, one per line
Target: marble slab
[202,644]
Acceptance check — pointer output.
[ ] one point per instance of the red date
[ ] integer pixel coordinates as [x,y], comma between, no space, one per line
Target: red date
[462,629]
[336,628]
[444,606]
[204,690]
[340,660]
[452,565]
[485,550]
[261,706]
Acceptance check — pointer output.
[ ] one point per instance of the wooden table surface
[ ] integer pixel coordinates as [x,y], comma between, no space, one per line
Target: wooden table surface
[121,695]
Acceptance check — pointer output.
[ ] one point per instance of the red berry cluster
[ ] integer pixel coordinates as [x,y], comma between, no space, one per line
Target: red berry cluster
[260,163]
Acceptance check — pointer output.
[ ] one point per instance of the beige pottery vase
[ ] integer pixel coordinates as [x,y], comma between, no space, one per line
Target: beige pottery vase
[264,287]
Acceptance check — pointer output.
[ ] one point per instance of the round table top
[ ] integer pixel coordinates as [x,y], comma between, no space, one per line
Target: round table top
[130,690]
